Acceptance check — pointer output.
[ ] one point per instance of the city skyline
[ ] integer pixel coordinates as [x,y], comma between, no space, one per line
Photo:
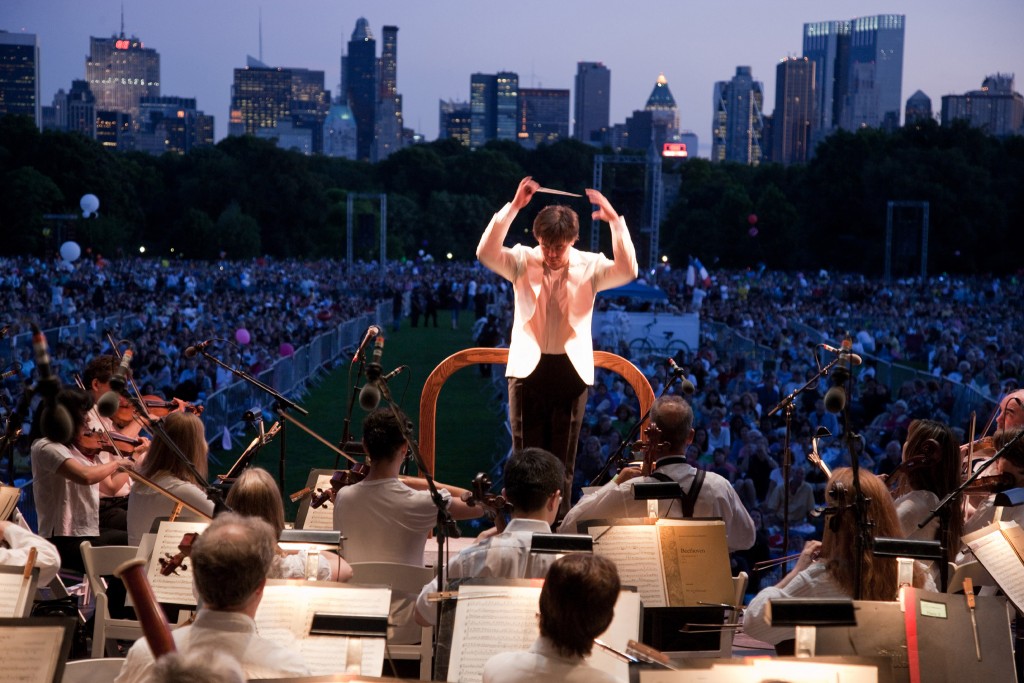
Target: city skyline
[950,46]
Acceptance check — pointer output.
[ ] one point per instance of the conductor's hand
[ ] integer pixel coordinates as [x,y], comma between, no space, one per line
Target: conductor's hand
[604,211]
[524,193]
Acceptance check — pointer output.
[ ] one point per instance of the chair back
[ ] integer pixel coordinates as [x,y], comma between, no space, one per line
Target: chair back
[102,670]
[101,561]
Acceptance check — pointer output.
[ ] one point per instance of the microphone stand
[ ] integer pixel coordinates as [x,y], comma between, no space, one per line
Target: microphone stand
[13,430]
[346,433]
[601,477]
[446,526]
[280,406]
[864,537]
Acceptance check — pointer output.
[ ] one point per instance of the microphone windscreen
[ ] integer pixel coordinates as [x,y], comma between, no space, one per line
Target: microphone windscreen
[835,400]
[56,424]
[191,351]
[688,387]
[108,404]
[369,396]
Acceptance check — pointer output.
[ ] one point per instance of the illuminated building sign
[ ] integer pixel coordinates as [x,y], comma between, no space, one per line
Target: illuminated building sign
[674,149]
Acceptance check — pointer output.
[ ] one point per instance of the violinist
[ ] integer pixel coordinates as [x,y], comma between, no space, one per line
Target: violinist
[533,485]
[715,497]
[1011,410]
[384,518]
[255,493]
[113,502]
[930,471]
[165,468]
[1011,463]
[66,485]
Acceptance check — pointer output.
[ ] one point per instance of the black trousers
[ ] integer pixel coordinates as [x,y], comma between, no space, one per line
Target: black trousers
[546,410]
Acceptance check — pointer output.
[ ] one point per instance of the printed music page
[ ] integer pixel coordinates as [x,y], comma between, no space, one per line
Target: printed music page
[16,591]
[30,655]
[635,550]
[992,546]
[286,614]
[9,496]
[321,518]
[504,619]
[695,561]
[175,589]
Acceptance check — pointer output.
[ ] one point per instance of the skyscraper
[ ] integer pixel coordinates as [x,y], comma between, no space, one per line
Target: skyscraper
[543,116]
[359,85]
[738,126]
[389,102]
[664,113]
[593,101]
[172,124]
[997,108]
[506,105]
[455,120]
[260,98]
[794,115]
[121,70]
[19,75]
[494,107]
[919,108]
[80,108]
[858,71]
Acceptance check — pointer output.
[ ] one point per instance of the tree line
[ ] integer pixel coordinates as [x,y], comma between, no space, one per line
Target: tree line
[245,197]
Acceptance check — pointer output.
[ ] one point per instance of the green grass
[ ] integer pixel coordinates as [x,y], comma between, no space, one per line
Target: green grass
[469,425]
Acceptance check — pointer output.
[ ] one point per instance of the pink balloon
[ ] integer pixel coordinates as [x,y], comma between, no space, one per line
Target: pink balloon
[242,336]
[286,349]
[752,219]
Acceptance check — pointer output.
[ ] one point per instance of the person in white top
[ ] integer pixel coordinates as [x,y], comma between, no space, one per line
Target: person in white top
[551,349]
[826,568]
[1011,464]
[255,493]
[166,468]
[577,604]
[716,497]
[533,486]
[17,542]
[230,560]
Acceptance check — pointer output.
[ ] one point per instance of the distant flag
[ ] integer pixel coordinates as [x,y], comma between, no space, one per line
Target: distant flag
[691,274]
[702,272]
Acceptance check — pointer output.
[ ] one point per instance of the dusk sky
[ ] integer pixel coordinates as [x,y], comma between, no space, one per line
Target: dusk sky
[950,45]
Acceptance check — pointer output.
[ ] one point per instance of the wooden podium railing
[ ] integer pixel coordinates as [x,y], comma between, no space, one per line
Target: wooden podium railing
[477,355]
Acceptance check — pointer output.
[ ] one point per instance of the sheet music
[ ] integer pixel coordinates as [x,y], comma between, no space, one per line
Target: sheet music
[635,550]
[30,655]
[321,518]
[9,496]
[175,589]
[695,559]
[996,554]
[286,613]
[487,626]
[12,592]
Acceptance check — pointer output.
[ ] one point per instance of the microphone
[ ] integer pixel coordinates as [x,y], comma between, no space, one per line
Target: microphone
[676,371]
[108,404]
[369,396]
[253,414]
[13,372]
[191,351]
[835,399]
[373,367]
[55,421]
[371,332]
[854,359]
[394,373]
[117,380]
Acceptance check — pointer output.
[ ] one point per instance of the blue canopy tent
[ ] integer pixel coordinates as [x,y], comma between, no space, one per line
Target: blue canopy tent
[635,290]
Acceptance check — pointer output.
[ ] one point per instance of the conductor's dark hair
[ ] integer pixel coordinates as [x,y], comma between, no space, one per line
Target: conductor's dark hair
[577,602]
[382,435]
[531,476]
[556,225]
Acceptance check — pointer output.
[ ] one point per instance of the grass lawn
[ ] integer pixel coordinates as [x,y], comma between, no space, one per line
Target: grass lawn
[469,425]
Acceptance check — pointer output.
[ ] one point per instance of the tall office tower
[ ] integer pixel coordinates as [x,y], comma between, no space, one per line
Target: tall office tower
[859,71]
[309,105]
[483,91]
[120,70]
[114,130]
[664,113]
[874,93]
[389,102]
[79,110]
[172,124]
[593,101]
[827,44]
[919,108]
[543,116]
[738,126]
[455,120]
[19,76]
[260,98]
[794,115]
[996,108]
[359,85]
[340,132]
[506,109]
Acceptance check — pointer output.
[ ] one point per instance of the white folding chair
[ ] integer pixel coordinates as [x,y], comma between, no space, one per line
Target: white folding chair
[102,670]
[976,573]
[99,562]
[405,581]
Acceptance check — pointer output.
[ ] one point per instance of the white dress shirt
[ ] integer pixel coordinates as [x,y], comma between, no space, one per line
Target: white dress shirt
[542,664]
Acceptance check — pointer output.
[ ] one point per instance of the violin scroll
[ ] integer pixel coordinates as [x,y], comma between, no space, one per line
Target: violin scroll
[170,564]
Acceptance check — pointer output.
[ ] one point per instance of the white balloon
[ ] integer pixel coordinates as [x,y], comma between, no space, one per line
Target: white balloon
[90,203]
[70,251]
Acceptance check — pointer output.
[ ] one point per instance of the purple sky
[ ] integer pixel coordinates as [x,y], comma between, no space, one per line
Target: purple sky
[950,45]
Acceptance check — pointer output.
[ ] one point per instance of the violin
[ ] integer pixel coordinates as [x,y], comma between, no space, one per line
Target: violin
[156,406]
[339,480]
[995,483]
[495,505]
[93,441]
[169,564]
[652,449]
